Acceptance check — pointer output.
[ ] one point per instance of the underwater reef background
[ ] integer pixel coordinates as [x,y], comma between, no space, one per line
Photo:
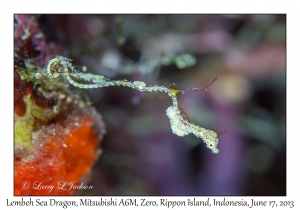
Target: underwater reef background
[140,154]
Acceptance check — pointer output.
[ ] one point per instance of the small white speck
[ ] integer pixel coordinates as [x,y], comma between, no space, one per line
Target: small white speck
[81,104]
[39,35]
[69,99]
[61,96]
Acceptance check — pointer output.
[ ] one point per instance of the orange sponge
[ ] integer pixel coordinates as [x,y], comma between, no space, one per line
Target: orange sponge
[55,145]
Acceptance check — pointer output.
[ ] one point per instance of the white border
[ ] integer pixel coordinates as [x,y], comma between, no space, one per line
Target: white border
[88,6]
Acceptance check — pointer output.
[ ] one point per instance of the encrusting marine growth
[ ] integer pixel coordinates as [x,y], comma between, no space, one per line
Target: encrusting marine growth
[61,66]
[57,136]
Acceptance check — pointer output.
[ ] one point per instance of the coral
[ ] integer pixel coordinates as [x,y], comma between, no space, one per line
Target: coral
[63,151]
[57,135]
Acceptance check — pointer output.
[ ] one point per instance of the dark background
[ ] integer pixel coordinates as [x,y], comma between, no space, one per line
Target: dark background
[141,156]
